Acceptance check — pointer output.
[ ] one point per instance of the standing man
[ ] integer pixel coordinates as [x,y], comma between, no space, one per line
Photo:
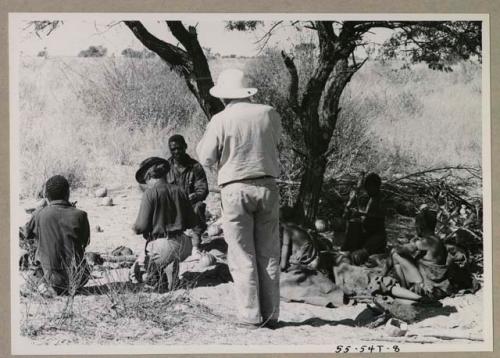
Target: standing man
[242,142]
[188,174]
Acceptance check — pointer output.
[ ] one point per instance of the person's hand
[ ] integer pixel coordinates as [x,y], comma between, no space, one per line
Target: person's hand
[192,196]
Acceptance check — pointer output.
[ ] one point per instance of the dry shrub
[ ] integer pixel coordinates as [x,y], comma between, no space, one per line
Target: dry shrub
[81,117]
[110,309]
[392,119]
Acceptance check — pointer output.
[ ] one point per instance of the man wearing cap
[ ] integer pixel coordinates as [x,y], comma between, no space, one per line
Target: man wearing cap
[242,143]
[165,213]
[62,233]
[190,176]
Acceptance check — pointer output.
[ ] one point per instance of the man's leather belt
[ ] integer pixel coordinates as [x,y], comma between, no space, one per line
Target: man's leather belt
[247,179]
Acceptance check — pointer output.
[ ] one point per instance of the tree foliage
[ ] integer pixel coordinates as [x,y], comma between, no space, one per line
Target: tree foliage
[439,45]
[316,107]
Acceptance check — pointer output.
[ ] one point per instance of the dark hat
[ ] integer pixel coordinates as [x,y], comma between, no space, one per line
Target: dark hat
[145,165]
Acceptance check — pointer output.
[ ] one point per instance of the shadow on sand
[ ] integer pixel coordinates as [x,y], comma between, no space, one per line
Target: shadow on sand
[217,275]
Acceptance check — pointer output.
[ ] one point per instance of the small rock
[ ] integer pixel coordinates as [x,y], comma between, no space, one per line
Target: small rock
[98,229]
[101,192]
[107,201]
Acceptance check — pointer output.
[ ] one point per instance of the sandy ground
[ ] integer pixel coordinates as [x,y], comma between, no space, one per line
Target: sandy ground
[302,323]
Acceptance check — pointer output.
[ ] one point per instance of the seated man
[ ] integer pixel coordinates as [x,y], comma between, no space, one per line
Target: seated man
[165,213]
[371,238]
[190,176]
[62,233]
[421,266]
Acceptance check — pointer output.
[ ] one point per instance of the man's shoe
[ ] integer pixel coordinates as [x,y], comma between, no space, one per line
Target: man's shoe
[272,324]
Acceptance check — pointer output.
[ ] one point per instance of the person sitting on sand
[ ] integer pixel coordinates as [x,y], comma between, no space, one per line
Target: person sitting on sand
[372,238]
[165,213]
[300,247]
[422,266]
[62,233]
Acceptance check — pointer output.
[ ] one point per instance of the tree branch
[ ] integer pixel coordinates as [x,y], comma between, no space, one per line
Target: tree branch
[200,80]
[294,82]
[177,58]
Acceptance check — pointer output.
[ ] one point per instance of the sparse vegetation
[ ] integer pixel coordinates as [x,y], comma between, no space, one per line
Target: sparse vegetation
[94,119]
[114,111]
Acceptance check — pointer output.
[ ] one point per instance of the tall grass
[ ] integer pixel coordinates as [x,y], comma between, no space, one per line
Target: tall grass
[83,117]
[87,118]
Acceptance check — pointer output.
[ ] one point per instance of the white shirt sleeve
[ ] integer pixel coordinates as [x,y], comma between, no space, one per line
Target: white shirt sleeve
[208,147]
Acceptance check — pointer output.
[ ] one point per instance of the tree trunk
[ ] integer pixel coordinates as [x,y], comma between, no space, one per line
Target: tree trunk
[190,63]
[307,202]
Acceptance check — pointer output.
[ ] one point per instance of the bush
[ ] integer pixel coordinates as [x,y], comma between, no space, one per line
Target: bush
[81,118]
[385,126]
[93,51]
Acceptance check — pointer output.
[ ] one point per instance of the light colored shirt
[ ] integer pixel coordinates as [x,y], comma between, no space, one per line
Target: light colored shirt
[242,142]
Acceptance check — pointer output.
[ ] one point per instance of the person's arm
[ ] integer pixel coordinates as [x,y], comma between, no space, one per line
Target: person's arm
[85,232]
[200,184]
[277,126]
[189,218]
[285,250]
[208,149]
[29,229]
[144,222]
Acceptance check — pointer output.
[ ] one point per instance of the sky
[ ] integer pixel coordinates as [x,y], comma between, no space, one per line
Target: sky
[77,34]
[74,36]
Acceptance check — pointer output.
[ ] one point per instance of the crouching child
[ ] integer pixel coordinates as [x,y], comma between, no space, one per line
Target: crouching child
[61,232]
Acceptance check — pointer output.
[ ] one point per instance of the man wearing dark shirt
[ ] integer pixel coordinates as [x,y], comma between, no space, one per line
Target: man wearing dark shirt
[62,233]
[165,213]
[190,176]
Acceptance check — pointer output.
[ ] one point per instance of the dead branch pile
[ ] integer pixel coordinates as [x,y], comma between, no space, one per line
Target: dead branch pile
[454,192]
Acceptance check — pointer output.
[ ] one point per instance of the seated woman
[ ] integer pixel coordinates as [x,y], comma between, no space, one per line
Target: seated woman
[421,266]
[165,213]
[372,237]
[299,247]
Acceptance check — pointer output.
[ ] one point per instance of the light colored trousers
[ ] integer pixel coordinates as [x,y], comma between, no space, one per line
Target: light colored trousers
[250,223]
[162,254]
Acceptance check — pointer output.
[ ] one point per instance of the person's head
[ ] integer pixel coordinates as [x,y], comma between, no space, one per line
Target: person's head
[372,184]
[177,146]
[57,188]
[232,84]
[155,172]
[425,221]
[152,169]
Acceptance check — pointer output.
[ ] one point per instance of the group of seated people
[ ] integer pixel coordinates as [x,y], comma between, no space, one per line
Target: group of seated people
[418,270]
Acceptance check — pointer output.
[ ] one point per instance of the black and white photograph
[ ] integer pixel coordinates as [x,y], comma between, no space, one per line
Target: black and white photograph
[250,183]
